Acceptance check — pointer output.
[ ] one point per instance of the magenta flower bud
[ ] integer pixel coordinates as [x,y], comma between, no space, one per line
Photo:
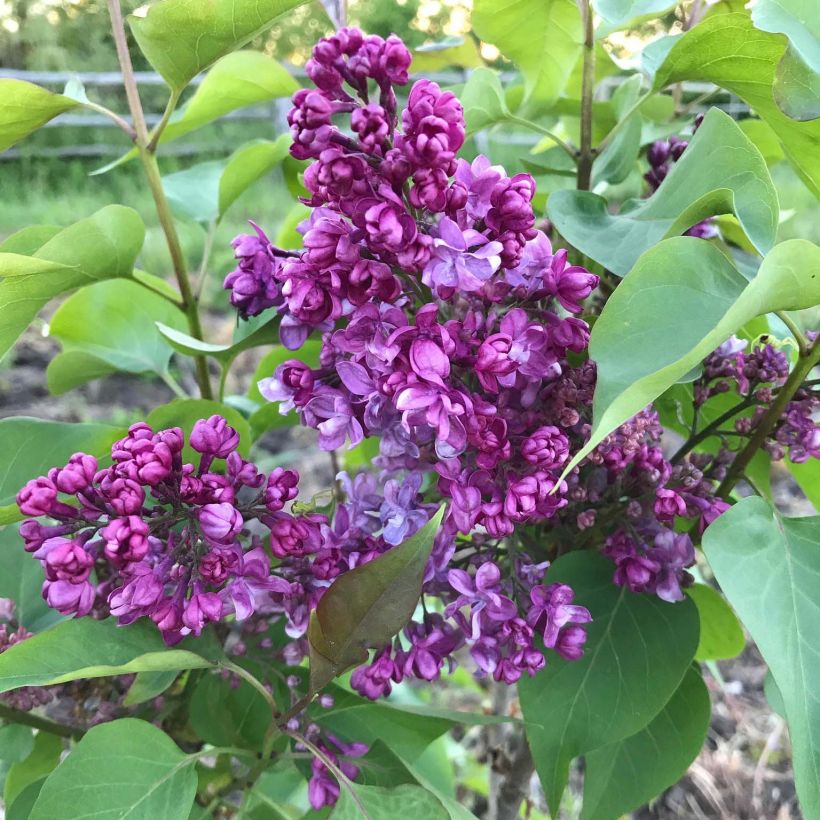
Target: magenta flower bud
[139,593]
[511,203]
[394,60]
[214,437]
[37,497]
[547,448]
[570,642]
[282,487]
[291,536]
[77,475]
[69,598]
[34,534]
[200,609]
[124,496]
[668,504]
[67,561]
[220,523]
[370,124]
[389,226]
[168,617]
[217,565]
[126,539]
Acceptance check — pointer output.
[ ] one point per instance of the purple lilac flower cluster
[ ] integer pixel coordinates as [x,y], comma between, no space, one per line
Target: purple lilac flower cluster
[662,154]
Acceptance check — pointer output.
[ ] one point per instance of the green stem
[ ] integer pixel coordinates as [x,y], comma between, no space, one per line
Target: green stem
[804,366]
[586,155]
[36,722]
[802,341]
[116,118]
[160,126]
[539,129]
[175,386]
[254,682]
[149,163]
[707,431]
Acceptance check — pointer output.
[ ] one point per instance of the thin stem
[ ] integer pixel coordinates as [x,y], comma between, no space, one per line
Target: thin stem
[799,337]
[115,118]
[297,707]
[212,751]
[707,431]
[254,682]
[586,155]
[149,163]
[620,124]
[539,129]
[175,386]
[804,366]
[166,115]
[40,723]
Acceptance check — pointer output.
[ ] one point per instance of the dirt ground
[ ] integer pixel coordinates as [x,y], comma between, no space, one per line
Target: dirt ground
[744,771]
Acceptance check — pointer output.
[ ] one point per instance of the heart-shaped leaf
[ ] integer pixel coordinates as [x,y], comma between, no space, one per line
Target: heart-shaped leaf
[367,606]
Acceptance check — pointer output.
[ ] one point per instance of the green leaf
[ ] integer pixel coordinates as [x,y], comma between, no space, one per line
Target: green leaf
[16,742]
[180,38]
[85,648]
[42,761]
[721,635]
[773,696]
[637,653]
[618,14]
[227,715]
[247,164]
[104,246]
[720,172]
[28,240]
[287,236]
[149,685]
[185,413]
[623,776]
[807,475]
[194,192]
[797,88]
[379,803]
[461,52]
[728,50]
[30,447]
[764,139]
[128,339]
[21,579]
[768,568]
[72,368]
[682,299]
[368,606]
[483,100]
[798,20]
[126,768]
[618,157]
[21,808]
[24,107]
[542,37]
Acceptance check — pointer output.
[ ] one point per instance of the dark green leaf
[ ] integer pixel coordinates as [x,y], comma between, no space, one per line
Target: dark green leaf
[24,107]
[21,579]
[379,803]
[797,88]
[720,172]
[247,164]
[768,568]
[72,368]
[149,685]
[21,808]
[682,300]
[185,413]
[85,648]
[721,635]
[368,606]
[637,653]
[180,38]
[542,37]
[16,742]
[128,340]
[104,246]
[728,50]
[31,447]
[773,696]
[126,768]
[619,156]
[227,715]
[622,776]
[42,761]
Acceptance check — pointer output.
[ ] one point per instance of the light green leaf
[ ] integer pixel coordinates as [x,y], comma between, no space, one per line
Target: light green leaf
[483,100]
[728,50]
[682,300]
[28,240]
[72,368]
[247,164]
[149,685]
[24,107]
[618,14]
[720,172]
[542,37]
[128,340]
[287,236]
[367,606]
[21,808]
[180,38]
[797,88]
[623,776]
[721,635]
[194,192]
[16,742]
[798,20]
[654,53]
[618,158]
[185,413]
[379,803]
[42,761]
[126,768]
[30,447]
[461,52]
[104,246]
[807,475]
[768,568]
[85,648]
[638,650]
[21,579]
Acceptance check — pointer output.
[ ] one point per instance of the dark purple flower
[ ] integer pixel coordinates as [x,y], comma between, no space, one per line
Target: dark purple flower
[552,612]
[220,523]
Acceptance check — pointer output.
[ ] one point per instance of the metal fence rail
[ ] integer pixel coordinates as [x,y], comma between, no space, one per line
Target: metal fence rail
[273,112]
